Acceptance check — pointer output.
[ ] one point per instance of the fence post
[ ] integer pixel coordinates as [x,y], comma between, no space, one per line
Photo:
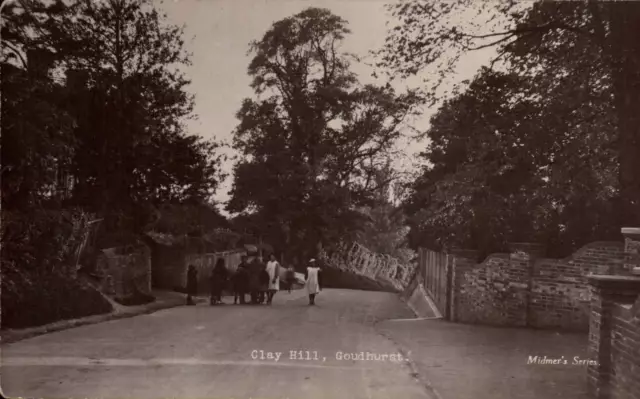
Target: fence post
[449,287]
[632,249]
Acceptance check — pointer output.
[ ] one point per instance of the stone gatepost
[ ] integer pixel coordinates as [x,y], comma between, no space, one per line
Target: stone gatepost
[522,258]
[632,249]
[463,260]
[606,293]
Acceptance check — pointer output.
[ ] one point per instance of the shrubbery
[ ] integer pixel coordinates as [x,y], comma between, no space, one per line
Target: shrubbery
[38,269]
[43,299]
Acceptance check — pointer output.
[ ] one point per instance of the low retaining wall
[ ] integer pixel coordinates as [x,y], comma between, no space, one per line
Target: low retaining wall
[125,271]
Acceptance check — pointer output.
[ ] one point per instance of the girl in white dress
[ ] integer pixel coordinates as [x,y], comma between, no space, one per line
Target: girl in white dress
[312,281]
[273,269]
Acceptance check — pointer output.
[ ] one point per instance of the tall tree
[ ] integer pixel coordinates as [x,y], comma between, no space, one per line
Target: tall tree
[386,229]
[511,159]
[119,64]
[314,138]
[127,58]
[37,129]
[426,35]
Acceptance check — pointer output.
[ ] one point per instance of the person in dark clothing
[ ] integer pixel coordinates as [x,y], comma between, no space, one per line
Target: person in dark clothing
[218,281]
[264,280]
[192,284]
[254,281]
[291,278]
[241,282]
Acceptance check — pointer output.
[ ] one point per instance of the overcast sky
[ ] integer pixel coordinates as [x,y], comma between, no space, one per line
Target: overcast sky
[218,33]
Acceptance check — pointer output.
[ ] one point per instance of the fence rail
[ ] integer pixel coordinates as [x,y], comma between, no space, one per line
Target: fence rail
[357,259]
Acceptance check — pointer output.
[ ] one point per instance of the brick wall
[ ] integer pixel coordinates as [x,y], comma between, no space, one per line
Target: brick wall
[560,290]
[614,337]
[632,249]
[522,288]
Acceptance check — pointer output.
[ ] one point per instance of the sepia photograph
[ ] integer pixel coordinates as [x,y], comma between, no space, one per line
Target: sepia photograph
[310,199]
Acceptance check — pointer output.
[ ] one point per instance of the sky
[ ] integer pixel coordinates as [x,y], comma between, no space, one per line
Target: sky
[218,33]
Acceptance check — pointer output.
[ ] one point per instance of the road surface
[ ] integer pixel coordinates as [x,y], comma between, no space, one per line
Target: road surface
[222,352]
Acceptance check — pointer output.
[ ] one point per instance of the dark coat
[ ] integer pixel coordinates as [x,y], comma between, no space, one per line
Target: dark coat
[255,269]
[219,278]
[291,276]
[192,282]
[240,279]
[264,277]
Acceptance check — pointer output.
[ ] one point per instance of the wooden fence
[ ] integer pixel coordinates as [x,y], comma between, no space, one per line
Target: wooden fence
[436,272]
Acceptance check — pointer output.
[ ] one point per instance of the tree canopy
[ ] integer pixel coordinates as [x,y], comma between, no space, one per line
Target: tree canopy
[313,138]
[531,151]
[95,98]
[585,53]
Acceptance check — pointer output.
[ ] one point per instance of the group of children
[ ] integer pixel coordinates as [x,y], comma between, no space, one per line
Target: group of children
[261,281]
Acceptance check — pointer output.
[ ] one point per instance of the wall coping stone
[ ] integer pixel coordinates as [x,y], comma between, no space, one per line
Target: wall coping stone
[497,255]
[526,246]
[465,253]
[614,283]
[631,231]
[595,244]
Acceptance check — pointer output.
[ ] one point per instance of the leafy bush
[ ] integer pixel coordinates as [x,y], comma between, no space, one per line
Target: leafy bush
[39,300]
[38,269]
[42,241]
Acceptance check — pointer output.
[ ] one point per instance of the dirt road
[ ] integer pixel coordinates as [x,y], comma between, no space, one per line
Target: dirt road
[287,350]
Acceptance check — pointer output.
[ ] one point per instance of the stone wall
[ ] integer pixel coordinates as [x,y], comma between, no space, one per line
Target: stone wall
[614,337]
[125,270]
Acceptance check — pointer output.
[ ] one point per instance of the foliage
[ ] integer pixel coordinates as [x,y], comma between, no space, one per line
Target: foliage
[48,299]
[42,241]
[113,70]
[196,219]
[93,109]
[546,42]
[39,253]
[386,230]
[508,164]
[37,142]
[313,139]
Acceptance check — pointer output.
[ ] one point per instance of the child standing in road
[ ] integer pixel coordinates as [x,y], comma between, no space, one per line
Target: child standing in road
[312,281]
[192,284]
[291,278]
[273,268]
[240,282]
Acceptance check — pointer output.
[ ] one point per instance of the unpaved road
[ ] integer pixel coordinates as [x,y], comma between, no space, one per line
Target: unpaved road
[209,352]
